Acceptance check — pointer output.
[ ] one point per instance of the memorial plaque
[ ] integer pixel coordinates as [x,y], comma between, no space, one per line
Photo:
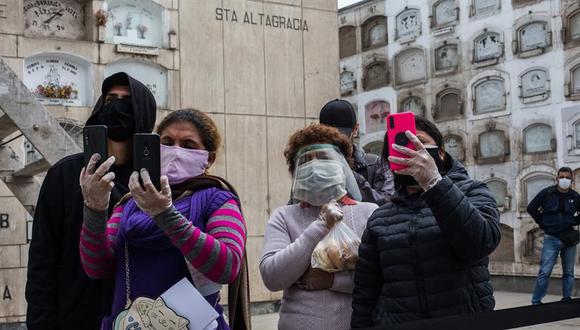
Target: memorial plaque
[444,12]
[54,19]
[376,75]
[489,96]
[375,114]
[487,47]
[153,76]
[454,146]
[492,144]
[484,7]
[413,104]
[574,26]
[411,66]
[535,82]
[538,138]
[533,36]
[409,24]
[347,82]
[535,185]
[448,104]
[135,22]
[58,79]
[446,58]
[498,190]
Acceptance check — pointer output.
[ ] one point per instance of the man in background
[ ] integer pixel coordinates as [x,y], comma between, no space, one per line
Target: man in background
[555,210]
[374,179]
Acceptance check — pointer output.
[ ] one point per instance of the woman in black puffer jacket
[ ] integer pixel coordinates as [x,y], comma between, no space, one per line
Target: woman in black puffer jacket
[425,253]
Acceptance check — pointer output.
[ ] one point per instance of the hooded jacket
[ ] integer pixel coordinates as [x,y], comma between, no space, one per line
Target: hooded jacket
[373,177]
[426,255]
[59,294]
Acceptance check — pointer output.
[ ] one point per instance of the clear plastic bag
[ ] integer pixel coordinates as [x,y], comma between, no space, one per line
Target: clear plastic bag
[337,251]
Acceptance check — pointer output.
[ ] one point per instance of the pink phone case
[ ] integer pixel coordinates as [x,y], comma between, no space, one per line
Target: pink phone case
[397,125]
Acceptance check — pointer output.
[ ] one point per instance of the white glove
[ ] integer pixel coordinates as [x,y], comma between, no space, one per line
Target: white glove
[148,198]
[330,213]
[97,185]
[420,165]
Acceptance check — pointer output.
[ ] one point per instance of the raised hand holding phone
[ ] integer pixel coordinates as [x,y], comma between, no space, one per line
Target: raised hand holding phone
[397,125]
[147,197]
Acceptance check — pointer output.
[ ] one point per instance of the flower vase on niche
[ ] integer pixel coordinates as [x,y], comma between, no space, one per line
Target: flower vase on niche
[142,30]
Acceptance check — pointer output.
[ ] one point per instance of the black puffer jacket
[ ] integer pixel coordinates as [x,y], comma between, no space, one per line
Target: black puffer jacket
[426,256]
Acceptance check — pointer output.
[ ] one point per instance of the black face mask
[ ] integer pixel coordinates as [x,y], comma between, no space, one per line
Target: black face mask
[402,181]
[118,117]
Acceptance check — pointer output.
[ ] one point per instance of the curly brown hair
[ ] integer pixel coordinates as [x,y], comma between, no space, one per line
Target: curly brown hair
[313,134]
[206,127]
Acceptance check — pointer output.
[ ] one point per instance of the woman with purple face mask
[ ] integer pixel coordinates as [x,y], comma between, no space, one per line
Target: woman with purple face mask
[192,228]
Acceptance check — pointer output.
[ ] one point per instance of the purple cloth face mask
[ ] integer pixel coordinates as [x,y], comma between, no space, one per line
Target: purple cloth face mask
[180,164]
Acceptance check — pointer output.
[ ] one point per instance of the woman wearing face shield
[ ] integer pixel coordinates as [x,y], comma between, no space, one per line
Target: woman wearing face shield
[425,253]
[317,158]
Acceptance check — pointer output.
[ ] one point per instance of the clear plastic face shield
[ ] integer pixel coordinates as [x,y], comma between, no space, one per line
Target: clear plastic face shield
[322,174]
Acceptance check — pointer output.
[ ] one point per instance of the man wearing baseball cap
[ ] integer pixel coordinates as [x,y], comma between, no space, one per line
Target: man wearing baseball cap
[374,179]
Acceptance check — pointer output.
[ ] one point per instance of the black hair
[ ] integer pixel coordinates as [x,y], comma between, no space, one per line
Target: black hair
[421,124]
[566,170]
[205,126]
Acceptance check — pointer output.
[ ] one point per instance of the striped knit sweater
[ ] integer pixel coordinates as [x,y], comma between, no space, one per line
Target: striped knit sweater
[217,253]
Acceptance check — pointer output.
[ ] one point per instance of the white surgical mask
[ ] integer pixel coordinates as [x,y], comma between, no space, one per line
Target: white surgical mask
[564,183]
[319,181]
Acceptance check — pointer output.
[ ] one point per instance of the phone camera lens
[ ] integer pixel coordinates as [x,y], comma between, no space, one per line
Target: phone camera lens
[146,152]
[401,139]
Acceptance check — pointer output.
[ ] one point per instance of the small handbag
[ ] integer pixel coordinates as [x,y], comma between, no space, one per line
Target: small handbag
[157,314]
[570,237]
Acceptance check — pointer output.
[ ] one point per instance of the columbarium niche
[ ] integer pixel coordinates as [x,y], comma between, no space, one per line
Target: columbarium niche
[492,146]
[534,85]
[58,79]
[408,25]
[54,19]
[533,185]
[484,7]
[454,146]
[374,32]
[445,12]
[448,105]
[538,138]
[505,251]
[489,95]
[347,83]
[499,191]
[376,75]
[413,104]
[532,39]
[376,113]
[135,22]
[446,59]
[534,245]
[411,67]
[347,41]
[487,49]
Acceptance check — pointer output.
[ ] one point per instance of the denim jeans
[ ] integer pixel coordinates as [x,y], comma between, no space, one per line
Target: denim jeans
[552,247]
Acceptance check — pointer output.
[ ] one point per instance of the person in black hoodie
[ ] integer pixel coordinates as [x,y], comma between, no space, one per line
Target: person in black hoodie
[424,254]
[58,292]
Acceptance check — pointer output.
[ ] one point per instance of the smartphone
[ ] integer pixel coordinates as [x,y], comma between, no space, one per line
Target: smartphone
[146,154]
[95,142]
[397,125]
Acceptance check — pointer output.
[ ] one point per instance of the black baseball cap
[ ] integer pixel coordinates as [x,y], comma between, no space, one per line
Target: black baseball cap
[340,114]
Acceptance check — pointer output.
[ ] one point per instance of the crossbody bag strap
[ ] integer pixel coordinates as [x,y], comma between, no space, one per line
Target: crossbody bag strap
[127,277]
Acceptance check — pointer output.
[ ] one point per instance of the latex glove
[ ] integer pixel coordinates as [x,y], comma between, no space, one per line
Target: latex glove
[330,213]
[315,279]
[420,165]
[147,197]
[96,185]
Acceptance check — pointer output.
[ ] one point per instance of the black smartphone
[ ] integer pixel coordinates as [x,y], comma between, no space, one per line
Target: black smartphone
[95,142]
[146,154]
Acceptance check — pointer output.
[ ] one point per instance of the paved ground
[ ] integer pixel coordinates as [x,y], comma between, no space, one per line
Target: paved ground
[503,300]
